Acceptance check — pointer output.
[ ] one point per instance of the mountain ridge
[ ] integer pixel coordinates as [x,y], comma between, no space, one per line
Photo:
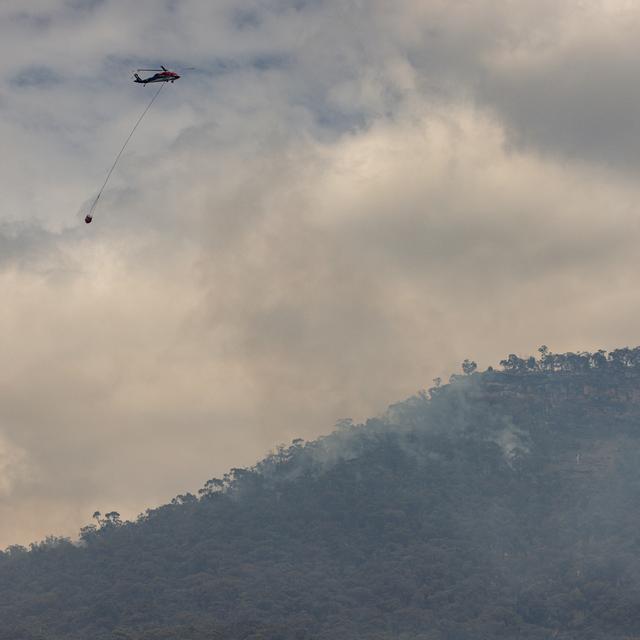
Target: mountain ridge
[502,504]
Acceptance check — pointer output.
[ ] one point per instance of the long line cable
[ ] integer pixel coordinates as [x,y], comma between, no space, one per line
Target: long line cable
[115,162]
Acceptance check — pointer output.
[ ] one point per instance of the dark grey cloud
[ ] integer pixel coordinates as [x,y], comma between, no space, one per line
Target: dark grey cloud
[26,245]
[579,103]
[85,5]
[246,18]
[35,76]
[32,20]
[559,77]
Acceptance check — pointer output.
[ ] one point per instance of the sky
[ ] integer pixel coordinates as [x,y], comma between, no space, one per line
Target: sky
[340,201]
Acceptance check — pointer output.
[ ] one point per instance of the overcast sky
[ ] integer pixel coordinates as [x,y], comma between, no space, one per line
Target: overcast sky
[343,200]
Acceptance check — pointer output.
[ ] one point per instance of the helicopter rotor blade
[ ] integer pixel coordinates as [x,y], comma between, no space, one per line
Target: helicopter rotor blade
[164,69]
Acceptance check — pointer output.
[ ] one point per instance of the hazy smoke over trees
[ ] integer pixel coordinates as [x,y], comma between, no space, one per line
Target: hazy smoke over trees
[500,505]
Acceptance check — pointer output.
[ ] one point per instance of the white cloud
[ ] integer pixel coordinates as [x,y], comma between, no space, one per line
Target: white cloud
[325,215]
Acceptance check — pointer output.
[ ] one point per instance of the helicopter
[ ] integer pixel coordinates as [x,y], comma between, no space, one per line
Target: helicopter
[162,75]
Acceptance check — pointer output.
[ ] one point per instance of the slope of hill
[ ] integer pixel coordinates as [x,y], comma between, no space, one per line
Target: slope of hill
[502,505]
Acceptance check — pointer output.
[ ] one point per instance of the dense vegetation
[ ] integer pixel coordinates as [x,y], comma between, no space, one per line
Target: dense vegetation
[502,505]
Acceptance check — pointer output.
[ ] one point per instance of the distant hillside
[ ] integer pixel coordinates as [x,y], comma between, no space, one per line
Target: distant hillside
[505,504]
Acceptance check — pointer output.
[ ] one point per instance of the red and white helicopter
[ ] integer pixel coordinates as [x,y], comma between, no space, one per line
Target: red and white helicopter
[162,75]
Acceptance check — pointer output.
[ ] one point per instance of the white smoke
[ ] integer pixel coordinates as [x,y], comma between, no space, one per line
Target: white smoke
[512,441]
[14,465]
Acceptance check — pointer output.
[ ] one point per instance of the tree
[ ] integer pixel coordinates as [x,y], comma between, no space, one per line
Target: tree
[111,519]
[513,364]
[599,359]
[343,424]
[186,498]
[545,357]
[469,366]
[211,487]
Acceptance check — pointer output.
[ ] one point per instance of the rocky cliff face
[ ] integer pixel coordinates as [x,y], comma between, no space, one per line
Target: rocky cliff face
[616,393]
[581,424]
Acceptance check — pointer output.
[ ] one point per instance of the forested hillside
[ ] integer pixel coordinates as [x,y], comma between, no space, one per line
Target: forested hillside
[505,504]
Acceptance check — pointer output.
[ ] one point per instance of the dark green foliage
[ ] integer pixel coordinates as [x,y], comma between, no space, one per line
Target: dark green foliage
[504,505]
[580,362]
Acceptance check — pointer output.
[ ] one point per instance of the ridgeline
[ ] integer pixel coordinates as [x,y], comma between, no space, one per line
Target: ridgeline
[501,505]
